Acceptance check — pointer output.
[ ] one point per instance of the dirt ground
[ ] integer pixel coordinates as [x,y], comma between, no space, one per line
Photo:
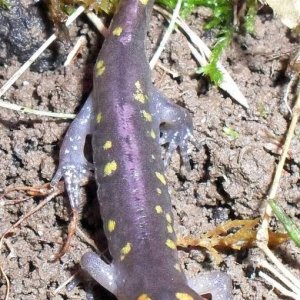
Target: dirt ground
[229,177]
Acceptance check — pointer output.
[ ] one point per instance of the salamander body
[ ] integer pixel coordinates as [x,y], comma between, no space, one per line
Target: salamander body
[128,120]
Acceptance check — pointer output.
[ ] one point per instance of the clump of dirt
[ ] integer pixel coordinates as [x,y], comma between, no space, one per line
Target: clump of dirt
[229,177]
[23,29]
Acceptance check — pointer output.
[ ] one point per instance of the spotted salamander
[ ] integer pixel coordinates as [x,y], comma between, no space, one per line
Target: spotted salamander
[128,119]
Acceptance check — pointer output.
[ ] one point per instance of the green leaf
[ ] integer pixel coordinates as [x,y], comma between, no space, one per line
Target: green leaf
[290,226]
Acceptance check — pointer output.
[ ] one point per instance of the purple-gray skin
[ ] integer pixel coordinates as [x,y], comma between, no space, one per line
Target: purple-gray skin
[128,120]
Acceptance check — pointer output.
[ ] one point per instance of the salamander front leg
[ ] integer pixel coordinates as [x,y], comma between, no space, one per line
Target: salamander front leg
[176,126]
[100,271]
[218,284]
[73,165]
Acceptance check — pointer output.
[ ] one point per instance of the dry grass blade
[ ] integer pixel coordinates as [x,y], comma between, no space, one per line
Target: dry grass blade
[262,234]
[167,35]
[277,285]
[286,273]
[80,42]
[64,284]
[97,23]
[28,110]
[282,277]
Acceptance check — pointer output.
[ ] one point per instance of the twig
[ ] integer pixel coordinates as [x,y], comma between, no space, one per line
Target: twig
[167,35]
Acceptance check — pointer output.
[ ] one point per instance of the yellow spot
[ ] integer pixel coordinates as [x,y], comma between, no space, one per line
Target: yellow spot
[170,228]
[111,225]
[152,134]
[107,145]
[158,209]
[168,218]
[158,190]
[184,296]
[139,95]
[125,250]
[138,85]
[117,31]
[99,118]
[100,67]
[144,2]
[144,297]
[161,178]
[146,116]
[170,244]
[177,267]
[110,167]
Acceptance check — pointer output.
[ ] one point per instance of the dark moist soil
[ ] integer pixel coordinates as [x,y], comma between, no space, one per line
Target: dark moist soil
[229,177]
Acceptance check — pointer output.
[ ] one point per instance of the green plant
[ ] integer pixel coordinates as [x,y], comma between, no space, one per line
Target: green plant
[223,23]
[4,4]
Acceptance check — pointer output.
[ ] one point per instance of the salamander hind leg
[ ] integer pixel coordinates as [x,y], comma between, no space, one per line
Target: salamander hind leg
[100,271]
[218,284]
[176,127]
[73,165]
